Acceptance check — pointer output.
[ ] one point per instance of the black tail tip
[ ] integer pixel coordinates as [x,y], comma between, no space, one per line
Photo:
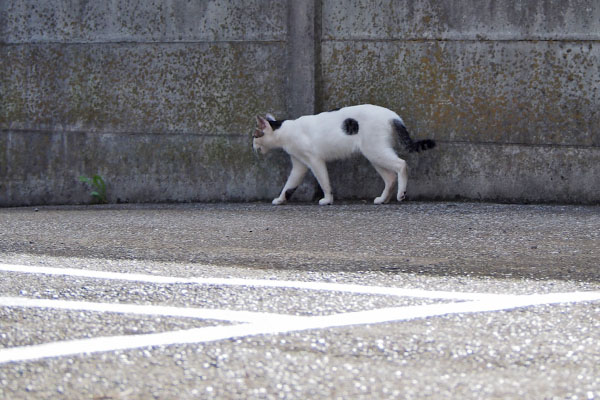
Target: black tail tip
[423,145]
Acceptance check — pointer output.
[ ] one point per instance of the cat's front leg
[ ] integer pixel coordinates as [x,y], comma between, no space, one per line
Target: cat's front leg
[327,200]
[293,181]
[279,200]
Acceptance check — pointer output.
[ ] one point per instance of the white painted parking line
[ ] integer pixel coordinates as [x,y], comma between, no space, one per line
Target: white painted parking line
[277,326]
[259,323]
[127,342]
[167,311]
[306,285]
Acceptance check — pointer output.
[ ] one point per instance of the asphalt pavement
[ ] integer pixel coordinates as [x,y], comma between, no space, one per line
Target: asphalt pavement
[410,300]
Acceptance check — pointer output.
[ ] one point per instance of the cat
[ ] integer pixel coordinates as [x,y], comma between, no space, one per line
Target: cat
[313,140]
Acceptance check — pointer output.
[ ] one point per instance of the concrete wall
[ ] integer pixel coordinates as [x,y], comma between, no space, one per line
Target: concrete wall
[158,97]
[510,89]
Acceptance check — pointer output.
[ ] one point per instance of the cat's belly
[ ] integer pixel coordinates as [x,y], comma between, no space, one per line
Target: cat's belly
[339,148]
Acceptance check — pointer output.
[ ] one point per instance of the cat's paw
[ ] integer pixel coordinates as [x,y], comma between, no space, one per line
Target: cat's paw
[278,201]
[379,200]
[401,196]
[325,201]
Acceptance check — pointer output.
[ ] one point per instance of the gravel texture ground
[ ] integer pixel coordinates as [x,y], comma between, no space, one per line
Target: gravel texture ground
[548,351]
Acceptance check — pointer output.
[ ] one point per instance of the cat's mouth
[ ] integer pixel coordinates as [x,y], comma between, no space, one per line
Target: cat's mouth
[258,149]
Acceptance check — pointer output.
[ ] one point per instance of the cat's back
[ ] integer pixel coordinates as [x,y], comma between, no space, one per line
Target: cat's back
[350,124]
[361,111]
[367,120]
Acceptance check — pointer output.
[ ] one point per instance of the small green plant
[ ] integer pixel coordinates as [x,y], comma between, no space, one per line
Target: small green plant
[99,187]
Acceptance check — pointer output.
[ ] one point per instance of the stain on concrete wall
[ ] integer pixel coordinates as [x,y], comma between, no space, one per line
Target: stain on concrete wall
[197,88]
[102,21]
[483,91]
[460,20]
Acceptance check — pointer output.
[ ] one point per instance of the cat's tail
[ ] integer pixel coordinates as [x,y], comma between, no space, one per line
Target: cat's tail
[406,140]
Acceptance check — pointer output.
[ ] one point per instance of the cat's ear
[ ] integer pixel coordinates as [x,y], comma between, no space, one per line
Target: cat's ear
[270,117]
[261,122]
[258,133]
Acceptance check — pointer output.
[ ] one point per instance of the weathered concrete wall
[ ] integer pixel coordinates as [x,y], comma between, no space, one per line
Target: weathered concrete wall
[159,98]
[509,89]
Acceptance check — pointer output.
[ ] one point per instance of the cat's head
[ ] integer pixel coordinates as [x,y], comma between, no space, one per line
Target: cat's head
[264,135]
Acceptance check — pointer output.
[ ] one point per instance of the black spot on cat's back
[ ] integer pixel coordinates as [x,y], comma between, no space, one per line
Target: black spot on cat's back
[350,126]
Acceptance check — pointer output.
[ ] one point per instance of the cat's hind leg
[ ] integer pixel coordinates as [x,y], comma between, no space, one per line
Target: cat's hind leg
[319,170]
[402,178]
[389,179]
[296,175]
[389,160]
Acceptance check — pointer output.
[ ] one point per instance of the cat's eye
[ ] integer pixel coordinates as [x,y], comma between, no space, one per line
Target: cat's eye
[258,133]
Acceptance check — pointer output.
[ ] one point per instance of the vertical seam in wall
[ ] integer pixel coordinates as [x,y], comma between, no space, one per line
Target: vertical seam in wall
[318,79]
[289,56]
[300,80]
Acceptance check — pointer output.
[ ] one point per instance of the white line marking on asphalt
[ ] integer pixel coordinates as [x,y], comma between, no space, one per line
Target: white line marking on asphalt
[276,326]
[261,323]
[307,285]
[167,311]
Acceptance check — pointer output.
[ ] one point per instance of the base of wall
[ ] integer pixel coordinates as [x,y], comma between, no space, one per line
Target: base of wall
[43,168]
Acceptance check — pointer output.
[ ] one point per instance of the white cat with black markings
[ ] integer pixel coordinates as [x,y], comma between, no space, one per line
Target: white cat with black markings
[313,140]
